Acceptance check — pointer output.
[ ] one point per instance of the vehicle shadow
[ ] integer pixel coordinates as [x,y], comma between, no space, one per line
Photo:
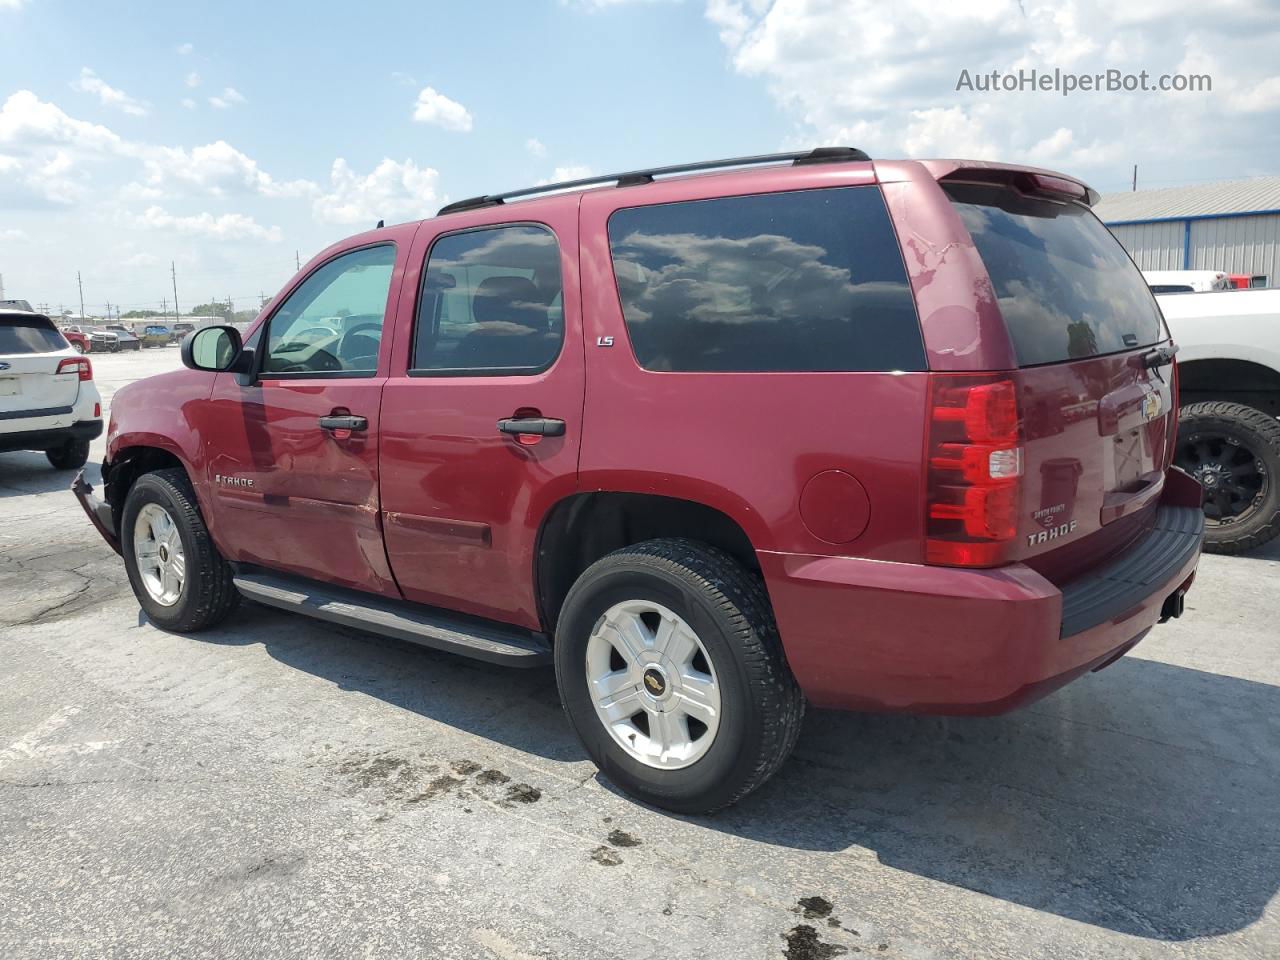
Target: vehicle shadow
[25,473]
[1140,799]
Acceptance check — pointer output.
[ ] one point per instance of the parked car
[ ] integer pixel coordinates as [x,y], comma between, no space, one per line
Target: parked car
[48,400]
[1187,281]
[179,330]
[155,335]
[127,339]
[1229,437]
[716,446]
[78,340]
[102,340]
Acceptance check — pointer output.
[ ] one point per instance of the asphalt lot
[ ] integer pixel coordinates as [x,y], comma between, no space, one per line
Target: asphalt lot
[278,787]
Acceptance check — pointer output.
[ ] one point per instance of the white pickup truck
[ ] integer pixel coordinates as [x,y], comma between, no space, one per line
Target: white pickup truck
[1228,436]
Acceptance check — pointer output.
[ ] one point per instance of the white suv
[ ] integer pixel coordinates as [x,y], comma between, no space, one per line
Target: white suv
[48,400]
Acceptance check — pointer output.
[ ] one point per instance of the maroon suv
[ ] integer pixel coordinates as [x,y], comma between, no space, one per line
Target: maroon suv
[718,440]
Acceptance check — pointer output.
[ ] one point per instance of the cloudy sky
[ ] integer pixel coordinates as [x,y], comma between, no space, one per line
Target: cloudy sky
[226,137]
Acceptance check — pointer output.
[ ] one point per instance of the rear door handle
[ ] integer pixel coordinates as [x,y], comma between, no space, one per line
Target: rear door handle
[532,426]
[346,422]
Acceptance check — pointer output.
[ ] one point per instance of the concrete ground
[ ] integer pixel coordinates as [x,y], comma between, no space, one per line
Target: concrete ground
[280,788]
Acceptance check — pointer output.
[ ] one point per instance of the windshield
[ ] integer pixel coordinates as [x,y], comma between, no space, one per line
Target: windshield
[1066,288]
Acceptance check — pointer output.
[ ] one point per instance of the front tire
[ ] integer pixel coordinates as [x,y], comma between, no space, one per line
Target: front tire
[672,673]
[79,347]
[71,455]
[1234,451]
[177,574]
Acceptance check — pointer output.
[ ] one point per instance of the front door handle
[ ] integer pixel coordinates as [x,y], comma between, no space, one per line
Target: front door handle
[344,422]
[532,426]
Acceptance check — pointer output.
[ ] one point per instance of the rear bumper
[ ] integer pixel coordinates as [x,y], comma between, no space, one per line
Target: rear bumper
[50,437]
[867,635]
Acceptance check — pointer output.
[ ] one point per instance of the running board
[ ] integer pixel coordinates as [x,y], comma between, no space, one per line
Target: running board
[441,629]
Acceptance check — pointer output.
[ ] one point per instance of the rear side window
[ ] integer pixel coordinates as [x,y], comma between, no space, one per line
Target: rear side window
[804,281]
[33,334]
[491,303]
[1067,289]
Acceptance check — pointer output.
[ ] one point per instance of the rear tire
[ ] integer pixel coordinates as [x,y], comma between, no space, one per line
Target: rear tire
[206,594]
[71,455]
[700,597]
[79,347]
[1234,451]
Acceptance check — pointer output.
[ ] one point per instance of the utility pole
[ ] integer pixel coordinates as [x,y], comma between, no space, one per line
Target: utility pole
[173,272]
[108,311]
[297,261]
[81,286]
[1135,178]
[1,286]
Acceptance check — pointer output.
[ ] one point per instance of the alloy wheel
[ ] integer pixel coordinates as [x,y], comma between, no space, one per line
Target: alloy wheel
[157,548]
[653,685]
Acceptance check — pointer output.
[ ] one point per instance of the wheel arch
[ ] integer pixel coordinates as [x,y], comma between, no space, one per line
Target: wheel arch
[1231,379]
[581,528]
[131,461]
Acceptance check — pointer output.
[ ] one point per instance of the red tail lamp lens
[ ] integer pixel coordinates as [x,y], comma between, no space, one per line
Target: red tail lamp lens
[974,464]
[79,364]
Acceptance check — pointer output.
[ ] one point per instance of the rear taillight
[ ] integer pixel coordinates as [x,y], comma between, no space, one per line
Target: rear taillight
[80,365]
[974,464]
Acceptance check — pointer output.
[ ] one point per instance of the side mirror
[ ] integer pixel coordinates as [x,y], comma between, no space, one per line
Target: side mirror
[214,349]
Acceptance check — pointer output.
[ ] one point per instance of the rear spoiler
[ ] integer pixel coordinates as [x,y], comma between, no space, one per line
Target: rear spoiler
[1029,180]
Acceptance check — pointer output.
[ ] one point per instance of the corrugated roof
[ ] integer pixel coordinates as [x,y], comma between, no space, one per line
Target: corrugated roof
[1224,196]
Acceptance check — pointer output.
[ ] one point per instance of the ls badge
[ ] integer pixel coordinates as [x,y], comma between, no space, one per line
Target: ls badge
[1151,405]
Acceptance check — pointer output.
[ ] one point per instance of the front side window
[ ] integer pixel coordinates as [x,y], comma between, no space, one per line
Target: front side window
[809,280]
[491,303]
[332,323]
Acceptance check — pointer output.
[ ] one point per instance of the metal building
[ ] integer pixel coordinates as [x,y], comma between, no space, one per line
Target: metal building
[1231,225]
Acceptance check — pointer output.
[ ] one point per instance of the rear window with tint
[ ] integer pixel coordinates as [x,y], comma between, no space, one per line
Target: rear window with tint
[1066,288]
[33,334]
[805,281]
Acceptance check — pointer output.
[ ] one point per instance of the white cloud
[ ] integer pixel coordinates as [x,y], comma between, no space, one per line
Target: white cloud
[13,233]
[846,73]
[110,96]
[228,226]
[228,97]
[436,108]
[574,171]
[188,103]
[192,79]
[27,122]
[392,192]
[184,48]
[217,168]
[535,147]
[41,149]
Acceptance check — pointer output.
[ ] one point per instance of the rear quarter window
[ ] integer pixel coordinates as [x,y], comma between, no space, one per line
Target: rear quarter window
[1066,287]
[33,334]
[803,281]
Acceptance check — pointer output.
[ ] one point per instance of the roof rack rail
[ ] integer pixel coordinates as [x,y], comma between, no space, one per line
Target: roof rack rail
[636,177]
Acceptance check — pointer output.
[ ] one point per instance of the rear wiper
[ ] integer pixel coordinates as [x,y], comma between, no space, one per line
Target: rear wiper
[1159,356]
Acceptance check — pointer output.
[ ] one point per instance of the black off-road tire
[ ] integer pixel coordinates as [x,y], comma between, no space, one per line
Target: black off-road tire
[71,455]
[1255,431]
[208,594]
[726,605]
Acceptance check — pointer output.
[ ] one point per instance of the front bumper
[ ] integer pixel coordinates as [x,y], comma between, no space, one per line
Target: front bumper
[867,635]
[98,511]
[50,437]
